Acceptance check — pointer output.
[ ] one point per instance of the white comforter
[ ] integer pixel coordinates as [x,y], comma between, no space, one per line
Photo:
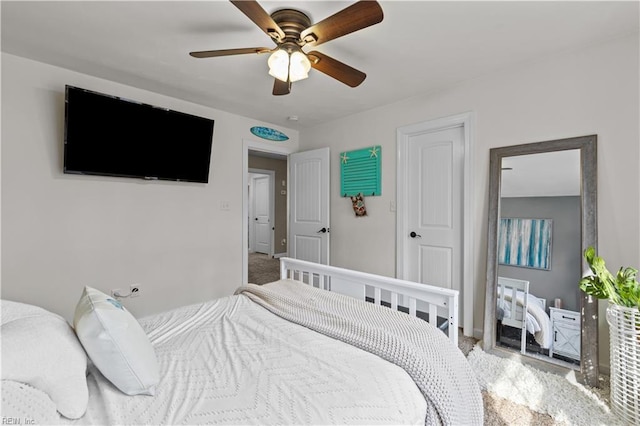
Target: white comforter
[230,361]
[437,367]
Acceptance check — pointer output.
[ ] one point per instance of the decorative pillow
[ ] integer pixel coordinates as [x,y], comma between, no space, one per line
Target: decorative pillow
[116,343]
[40,348]
[15,310]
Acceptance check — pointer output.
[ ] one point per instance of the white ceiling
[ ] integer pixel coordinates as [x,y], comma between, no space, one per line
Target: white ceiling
[418,48]
[550,174]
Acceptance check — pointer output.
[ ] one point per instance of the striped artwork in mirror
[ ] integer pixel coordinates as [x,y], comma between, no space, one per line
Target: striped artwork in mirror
[525,242]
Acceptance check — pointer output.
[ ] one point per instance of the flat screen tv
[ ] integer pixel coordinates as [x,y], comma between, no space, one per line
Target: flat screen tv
[111,136]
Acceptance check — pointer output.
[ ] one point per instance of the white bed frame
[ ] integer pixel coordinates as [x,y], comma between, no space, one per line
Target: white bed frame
[359,284]
[511,287]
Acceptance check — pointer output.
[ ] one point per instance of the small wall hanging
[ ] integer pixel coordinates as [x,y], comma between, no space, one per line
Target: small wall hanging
[359,208]
[360,172]
[269,134]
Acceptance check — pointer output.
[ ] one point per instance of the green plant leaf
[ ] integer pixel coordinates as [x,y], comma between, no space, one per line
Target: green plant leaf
[628,287]
[591,286]
[621,289]
[589,254]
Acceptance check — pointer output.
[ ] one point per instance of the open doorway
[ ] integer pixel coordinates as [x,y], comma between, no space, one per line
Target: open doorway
[261,211]
[267,215]
[306,219]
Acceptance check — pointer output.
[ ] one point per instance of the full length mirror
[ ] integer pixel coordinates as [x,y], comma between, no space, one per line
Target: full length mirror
[542,215]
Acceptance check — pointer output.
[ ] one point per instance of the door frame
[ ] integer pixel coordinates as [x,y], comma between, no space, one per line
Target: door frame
[253,145]
[467,122]
[272,207]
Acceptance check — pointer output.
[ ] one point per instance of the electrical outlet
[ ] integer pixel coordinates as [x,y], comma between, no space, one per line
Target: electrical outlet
[115,291]
[283,242]
[134,290]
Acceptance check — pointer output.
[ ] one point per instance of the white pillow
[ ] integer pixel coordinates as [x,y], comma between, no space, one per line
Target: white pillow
[40,348]
[116,343]
[21,401]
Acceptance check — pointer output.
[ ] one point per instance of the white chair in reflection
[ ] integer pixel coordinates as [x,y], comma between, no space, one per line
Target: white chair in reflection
[513,298]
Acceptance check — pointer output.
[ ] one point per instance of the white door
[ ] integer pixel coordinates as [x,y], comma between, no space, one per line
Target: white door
[435,207]
[309,205]
[261,213]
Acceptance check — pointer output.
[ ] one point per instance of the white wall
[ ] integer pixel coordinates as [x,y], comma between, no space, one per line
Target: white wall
[590,91]
[62,232]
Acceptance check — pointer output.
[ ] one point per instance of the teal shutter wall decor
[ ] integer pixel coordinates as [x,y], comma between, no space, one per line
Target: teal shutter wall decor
[360,172]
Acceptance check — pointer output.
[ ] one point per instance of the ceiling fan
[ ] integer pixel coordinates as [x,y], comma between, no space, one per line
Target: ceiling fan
[291,30]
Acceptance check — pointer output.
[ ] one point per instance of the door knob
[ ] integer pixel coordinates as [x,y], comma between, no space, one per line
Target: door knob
[323,231]
[414,235]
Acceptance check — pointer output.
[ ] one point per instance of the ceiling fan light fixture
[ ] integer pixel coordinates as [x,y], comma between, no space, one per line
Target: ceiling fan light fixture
[279,65]
[289,67]
[291,30]
[299,66]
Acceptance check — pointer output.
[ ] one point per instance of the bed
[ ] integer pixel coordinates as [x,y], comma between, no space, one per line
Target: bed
[301,350]
[537,322]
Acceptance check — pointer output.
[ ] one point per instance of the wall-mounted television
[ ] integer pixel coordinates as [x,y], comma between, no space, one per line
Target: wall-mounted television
[112,136]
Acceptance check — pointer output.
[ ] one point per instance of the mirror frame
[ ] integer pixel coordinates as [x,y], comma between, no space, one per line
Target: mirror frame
[588,202]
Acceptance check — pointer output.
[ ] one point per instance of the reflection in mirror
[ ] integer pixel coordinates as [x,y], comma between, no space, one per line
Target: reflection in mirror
[541,219]
[539,242]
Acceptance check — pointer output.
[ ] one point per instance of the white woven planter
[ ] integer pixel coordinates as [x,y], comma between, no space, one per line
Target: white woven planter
[624,332]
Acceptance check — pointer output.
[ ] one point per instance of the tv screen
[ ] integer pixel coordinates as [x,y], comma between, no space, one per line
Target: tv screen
[111,136]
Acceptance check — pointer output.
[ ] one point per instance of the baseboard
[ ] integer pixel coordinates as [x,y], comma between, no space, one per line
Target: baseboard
[477,333]
[279,255]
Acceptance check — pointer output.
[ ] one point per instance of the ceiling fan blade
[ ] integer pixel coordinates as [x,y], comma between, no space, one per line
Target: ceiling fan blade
[260,17]
[228,52]
[281,88]
[336,69]
[353,18]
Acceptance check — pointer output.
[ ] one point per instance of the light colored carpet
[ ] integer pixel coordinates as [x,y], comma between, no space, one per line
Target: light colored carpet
[500,411]
[519,394]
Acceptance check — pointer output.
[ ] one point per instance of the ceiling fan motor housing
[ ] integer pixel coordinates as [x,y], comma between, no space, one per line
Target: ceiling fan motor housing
[292,22]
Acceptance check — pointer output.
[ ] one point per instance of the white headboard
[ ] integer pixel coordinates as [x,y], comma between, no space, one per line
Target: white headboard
[531,297]
[356,284]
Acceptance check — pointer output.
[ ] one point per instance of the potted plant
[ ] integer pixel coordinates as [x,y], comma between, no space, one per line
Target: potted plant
[623,315]
[622,289]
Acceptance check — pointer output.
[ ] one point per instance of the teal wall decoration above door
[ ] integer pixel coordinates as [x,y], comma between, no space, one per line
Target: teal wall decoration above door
[269,134]
[360,172]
